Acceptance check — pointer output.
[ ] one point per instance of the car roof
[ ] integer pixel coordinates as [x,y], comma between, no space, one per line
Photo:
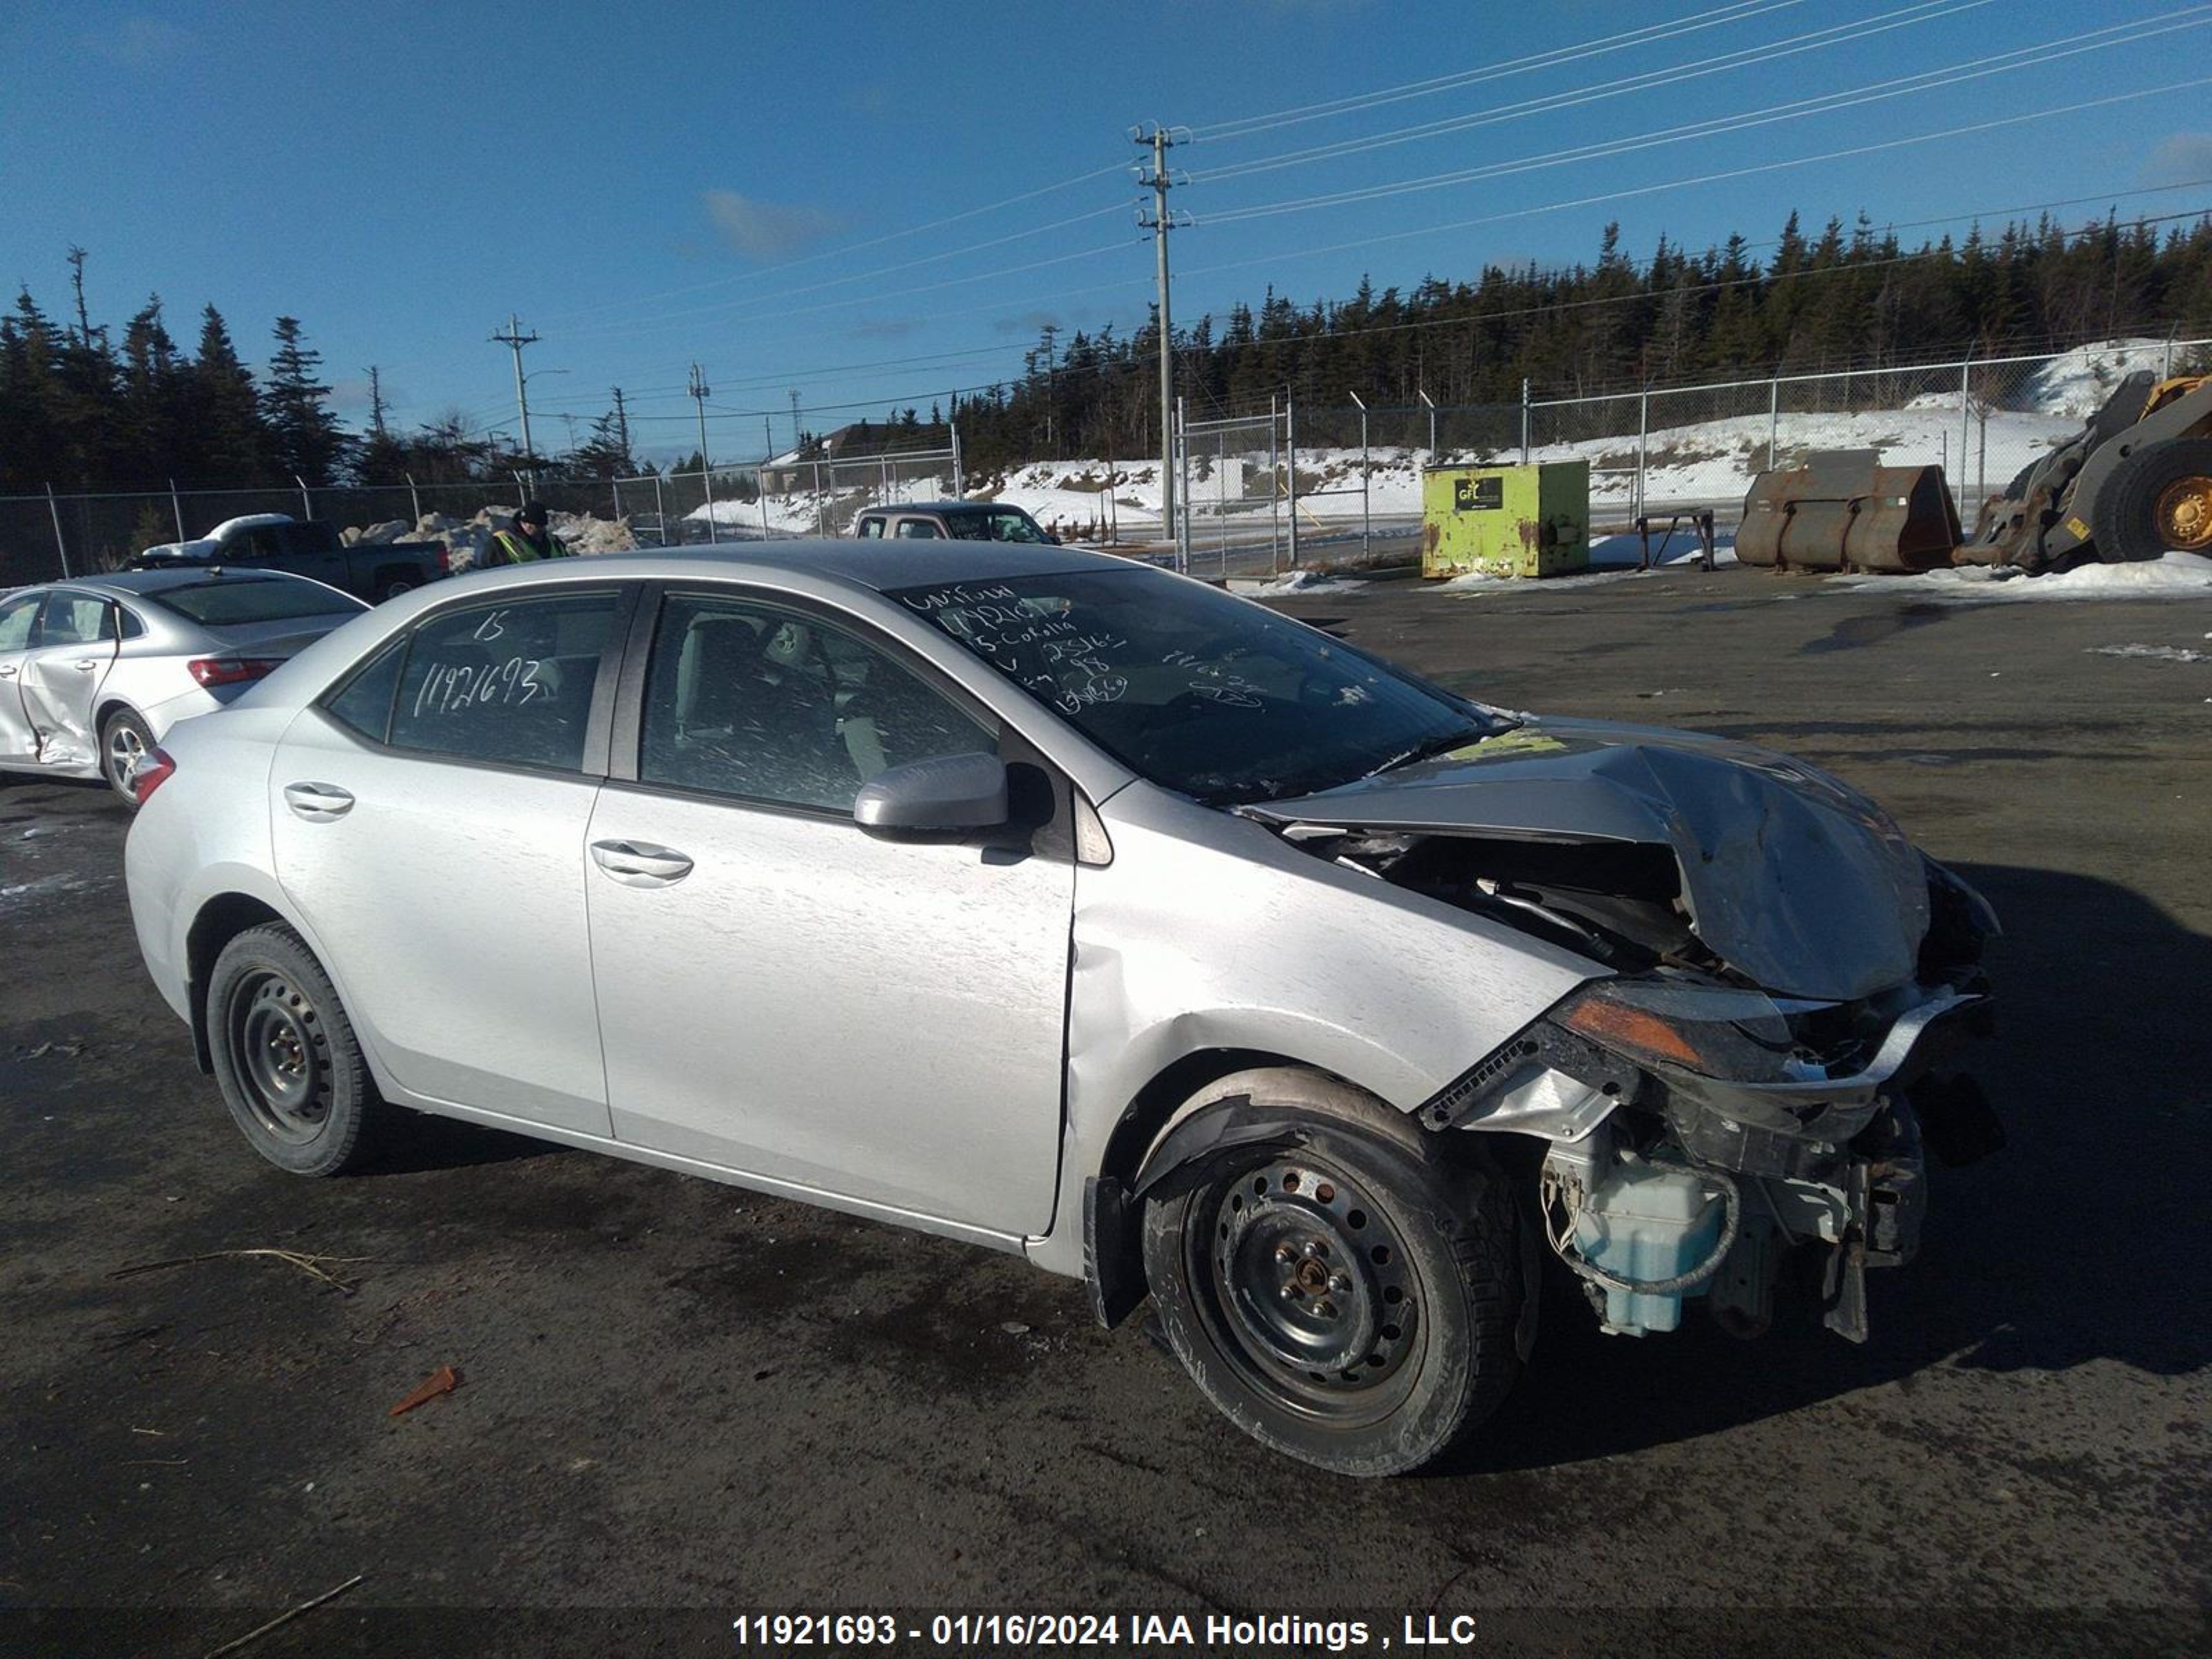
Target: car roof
[123,583]
[878,566]
[946,507]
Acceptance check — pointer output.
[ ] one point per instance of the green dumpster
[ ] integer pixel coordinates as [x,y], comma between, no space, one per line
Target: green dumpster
[1531,521]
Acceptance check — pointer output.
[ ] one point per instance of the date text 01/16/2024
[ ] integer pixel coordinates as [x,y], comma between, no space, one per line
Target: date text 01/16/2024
[1138,1630]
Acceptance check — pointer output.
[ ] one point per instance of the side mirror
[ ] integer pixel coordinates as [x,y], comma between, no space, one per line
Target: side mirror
[950,792]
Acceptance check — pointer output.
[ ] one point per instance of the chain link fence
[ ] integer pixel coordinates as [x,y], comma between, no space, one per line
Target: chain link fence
[1337,483]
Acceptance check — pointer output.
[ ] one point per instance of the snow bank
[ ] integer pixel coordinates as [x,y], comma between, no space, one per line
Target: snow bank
[2175,575]
[1296,581]
[2078,382]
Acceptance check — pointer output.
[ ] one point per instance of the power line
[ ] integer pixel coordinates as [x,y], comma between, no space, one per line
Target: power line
[853,248]
[1742,11]
[1828,103]
[1836,34]
[2041,114]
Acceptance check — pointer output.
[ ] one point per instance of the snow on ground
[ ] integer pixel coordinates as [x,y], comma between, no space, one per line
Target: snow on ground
[2154,652]
[2175,575]
[1296,581]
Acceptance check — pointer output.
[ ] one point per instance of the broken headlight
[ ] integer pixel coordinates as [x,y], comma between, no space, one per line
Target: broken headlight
[1714,1031]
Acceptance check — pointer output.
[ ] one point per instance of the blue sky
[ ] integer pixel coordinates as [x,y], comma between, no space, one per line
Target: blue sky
[730,184]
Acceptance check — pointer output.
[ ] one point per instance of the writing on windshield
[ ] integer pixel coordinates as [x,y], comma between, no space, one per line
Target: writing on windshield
[1195,689]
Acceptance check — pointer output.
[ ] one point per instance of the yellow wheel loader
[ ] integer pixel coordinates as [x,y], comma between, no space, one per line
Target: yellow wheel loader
[2135,483]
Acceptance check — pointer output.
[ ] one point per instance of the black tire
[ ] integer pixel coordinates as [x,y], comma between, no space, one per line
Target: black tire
[1350,1299]
[123,738]
[2156,500]
[393,588]
[286,1057]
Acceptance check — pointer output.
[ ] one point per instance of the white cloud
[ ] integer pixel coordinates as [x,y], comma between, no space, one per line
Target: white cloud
[139,41]
[767,230]
[2181,157]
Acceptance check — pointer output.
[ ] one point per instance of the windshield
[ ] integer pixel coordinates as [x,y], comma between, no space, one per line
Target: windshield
[1005,524]
[232,600]
[1205,693]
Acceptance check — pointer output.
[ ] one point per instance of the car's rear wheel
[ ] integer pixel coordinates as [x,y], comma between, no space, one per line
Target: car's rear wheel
[1345,1292]
[286,1058]
[395,587]
[123,741]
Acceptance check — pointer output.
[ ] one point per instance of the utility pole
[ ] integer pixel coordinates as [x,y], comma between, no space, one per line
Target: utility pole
[514,339]
[699,393]
[621,424]
[1160,184]
[375,401]
[798,439]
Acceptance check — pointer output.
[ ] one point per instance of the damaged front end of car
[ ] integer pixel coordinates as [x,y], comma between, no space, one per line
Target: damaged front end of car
[1704,1129]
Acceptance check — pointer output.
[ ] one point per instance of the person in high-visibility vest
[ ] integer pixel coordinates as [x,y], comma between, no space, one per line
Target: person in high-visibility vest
[526,541]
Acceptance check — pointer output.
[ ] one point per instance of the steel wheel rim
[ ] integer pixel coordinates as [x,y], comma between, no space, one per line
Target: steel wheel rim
[124,751]
[1305,1283]
[2185,513]
[277,1055]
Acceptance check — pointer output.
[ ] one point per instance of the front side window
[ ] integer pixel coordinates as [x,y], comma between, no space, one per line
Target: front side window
[76,619]
[917,530]
[767,704]
[1218,698]
[509,681]
[872,529]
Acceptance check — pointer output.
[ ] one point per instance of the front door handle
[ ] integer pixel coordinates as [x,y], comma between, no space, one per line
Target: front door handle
[8,673]
[640,863]
[317,803]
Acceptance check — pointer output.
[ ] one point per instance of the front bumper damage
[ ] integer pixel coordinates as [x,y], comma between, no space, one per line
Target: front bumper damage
[1661,1183]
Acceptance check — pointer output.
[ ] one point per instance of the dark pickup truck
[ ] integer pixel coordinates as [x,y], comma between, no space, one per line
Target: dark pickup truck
[374,571]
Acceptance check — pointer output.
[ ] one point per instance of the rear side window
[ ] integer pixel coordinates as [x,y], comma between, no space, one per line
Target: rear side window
[365,702]
[509,682]
[231,601]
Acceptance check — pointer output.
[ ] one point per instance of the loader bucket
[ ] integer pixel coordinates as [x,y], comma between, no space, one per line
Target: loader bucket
[1843,510]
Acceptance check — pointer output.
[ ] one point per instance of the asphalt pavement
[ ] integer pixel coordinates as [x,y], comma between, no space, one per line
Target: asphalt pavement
[679,1401]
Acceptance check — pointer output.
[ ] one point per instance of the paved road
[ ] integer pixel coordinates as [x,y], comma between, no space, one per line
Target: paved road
[680,1395]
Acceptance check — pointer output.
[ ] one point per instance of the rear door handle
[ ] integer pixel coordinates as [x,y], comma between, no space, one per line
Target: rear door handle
[88,664]
[8,673]
[317,803]
[640,863]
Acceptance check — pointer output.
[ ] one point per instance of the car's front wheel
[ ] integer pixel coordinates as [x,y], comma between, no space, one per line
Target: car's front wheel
[286,1058]
[1344,1292]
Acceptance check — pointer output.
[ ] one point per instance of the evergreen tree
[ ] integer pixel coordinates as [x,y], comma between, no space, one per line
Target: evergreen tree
[305,435]
[226,443]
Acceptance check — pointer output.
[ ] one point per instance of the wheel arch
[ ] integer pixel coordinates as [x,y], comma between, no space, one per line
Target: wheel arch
[1202,1080]
[219,920]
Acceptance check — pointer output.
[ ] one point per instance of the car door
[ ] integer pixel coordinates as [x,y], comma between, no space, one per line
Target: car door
[72,649]
[19,614]
[428,819]
[784,994]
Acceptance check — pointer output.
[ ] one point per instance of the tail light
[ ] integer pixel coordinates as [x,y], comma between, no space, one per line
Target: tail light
[232,671]
[444,558]
[151,772]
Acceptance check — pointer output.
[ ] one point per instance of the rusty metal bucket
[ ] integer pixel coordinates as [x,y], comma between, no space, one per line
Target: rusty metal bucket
[1843,510]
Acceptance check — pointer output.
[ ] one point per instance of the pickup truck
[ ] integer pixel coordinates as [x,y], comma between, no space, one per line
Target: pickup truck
[274,541]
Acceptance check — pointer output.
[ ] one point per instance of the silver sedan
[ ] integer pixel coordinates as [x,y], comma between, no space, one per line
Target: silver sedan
[93,671]
[1072,909]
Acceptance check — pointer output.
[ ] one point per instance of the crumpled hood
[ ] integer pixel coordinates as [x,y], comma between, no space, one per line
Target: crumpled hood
[1794,878]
